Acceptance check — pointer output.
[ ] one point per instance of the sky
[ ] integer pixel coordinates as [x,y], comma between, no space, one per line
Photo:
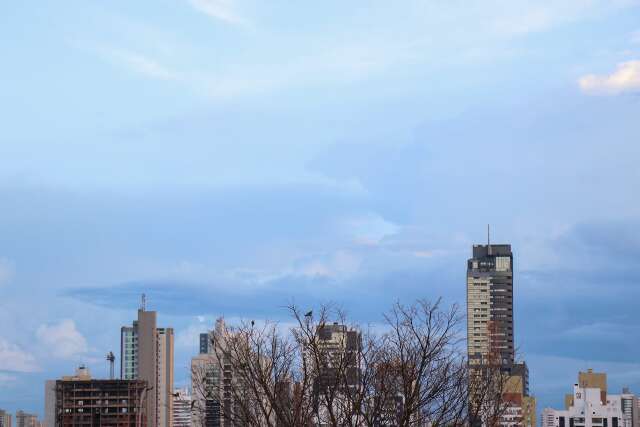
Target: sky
[229,157]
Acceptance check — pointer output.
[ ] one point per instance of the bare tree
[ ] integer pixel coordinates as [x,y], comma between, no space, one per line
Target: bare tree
[323,371]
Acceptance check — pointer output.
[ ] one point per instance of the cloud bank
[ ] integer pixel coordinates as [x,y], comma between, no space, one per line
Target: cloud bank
[625,79]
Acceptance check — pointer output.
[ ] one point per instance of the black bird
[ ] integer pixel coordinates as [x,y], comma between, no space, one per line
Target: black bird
[253,323]
[309,314]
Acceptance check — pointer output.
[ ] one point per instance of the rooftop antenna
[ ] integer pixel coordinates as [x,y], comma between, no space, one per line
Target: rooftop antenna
[488,240]
[111,359]
[143,303]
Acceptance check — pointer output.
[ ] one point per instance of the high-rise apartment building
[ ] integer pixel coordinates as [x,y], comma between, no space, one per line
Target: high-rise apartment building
[338,353]
[490,304]
[211,384]
[26,420]
[5,418]
[147,354]
[490,328]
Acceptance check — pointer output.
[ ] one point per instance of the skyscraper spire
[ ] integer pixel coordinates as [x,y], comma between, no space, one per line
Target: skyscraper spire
[488,240]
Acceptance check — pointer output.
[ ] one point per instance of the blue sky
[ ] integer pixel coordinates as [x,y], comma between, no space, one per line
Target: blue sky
[229,156]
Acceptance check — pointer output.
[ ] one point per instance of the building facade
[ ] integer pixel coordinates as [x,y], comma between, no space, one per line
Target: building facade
[24,419]
[207,380]
[181,408]
[490,304]
[490,329]
[5,418]
[83,401]
[50,403]
[339,349]
[590,405]
[146,353]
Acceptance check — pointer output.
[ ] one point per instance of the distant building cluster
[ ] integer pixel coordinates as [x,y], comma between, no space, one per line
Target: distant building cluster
[23,419]
[590,405]
[144,395]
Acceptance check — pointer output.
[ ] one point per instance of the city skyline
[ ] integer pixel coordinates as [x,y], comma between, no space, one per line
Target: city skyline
[226,158]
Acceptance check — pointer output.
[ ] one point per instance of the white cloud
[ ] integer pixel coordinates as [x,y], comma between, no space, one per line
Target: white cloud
[222,10]
[6,270]
[62,340]
[142,64]
[339,264]
[370,229]
[13,358]
[626,78]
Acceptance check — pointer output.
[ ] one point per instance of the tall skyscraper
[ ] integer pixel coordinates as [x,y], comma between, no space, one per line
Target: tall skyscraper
[147,354]
[490,328]
[490,304]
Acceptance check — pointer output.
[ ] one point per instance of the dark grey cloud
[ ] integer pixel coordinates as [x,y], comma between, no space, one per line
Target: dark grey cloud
[586,304]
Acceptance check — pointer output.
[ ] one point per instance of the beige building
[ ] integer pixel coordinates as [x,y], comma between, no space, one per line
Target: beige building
[490,304]
[590,405]
[181,408]
[521,409]
[26,420]
[490,328]
[5,418]
[589,379]
[147,354]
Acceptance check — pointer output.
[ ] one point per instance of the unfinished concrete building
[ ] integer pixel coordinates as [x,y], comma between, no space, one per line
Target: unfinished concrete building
[83,401]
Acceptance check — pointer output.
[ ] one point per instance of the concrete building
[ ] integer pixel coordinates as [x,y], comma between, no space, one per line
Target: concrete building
[207,383]
[5,418]
[26,420]
[339,348]
[181,408]
[490,304]
[147,354]
[521,408]
[219,393]
[490,328]
[50,403]
[630,407]
[83,401]
[590,405]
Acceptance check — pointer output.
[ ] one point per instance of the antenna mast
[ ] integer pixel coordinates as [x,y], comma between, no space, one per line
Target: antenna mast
[488,240]
[111,359]
[143,303]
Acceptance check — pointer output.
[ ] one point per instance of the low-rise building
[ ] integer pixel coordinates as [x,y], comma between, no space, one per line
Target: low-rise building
[181,408]
[590,405]
[24,419]
[520,410]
